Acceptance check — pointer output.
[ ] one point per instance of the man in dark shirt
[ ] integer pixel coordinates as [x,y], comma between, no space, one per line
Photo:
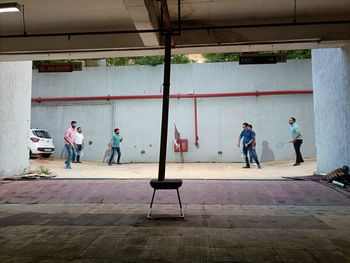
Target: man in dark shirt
[248,139]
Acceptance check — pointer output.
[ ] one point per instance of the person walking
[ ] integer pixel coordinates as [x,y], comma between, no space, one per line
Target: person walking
[79,142]
[248,138]
[297,140]
[115,144]
[69,143]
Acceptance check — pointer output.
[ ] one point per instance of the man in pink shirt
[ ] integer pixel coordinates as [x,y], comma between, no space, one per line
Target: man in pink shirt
[69,138]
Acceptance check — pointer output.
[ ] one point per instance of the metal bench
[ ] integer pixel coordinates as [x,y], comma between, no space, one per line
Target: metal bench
[167,184]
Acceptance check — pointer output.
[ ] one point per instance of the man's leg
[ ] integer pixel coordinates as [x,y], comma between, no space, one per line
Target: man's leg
[297,146]
[73,154]
[78,152]
[119,154]
[253,154]
[112,156]
[300,156]
[245,151]
[69,157]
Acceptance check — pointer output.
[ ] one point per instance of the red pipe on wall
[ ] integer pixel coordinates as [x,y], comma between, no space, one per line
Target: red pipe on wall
[195,123]
[177,96]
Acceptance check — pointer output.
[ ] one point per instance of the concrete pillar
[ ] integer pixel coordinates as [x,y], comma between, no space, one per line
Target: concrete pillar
[15,107]
[331,85]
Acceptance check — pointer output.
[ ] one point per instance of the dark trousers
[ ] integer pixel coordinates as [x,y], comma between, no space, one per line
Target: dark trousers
[252,153]
[76,153]
[115,149]
[297,145]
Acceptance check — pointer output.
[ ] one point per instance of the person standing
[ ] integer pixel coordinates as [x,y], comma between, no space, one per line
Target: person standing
[79,142]
[115,144]
[297,140]
[248,138]
[69,143]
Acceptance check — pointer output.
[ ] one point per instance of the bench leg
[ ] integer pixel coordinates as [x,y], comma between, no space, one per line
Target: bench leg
[149,215]
[181,210]
[150,207]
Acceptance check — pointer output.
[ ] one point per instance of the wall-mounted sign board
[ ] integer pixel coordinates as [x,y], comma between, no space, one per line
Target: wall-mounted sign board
[67,67]
[262,59]
[55,68]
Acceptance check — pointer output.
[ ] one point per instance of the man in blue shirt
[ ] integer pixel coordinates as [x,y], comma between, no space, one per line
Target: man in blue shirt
[248,139]
[297,140]
[115,145]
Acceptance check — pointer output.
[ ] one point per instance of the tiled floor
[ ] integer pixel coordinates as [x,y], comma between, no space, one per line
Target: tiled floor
[226,221]
[99,170]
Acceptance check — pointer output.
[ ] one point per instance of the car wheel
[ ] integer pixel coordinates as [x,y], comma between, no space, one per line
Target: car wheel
[46,155]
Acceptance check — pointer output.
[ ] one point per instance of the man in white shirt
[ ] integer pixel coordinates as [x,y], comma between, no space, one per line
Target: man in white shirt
[79,142]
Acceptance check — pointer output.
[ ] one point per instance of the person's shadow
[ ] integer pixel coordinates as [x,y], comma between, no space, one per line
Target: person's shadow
[63,154]
[266,153]
[107,155]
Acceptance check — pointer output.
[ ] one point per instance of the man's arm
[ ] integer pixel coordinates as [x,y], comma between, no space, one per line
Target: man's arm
[239,141]
[297,136]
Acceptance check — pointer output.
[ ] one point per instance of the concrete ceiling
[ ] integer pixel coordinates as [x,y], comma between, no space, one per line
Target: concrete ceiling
[52,27]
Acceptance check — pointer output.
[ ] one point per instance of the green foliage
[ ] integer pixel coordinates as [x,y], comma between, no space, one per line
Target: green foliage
[180,59]
[298,54]
[43,170]
[221,57]
[232,57]
[147,60]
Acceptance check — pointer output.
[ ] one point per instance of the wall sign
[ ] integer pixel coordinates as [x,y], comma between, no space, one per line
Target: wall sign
[262,59]
[55,68]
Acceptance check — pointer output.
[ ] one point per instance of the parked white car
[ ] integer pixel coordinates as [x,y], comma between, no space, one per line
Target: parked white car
[40,143]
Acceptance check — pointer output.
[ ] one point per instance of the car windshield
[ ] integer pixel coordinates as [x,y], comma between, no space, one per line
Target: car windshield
[42,134]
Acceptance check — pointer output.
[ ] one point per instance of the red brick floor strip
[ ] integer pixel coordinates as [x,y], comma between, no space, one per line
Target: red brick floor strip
[232,192]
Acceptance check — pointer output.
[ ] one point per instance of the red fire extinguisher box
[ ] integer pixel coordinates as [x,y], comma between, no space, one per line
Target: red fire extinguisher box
[181,145]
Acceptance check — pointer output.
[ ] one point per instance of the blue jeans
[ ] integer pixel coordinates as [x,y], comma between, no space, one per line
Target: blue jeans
[76,153]
[251,156]
[252,153]
[70,151]
[115,149]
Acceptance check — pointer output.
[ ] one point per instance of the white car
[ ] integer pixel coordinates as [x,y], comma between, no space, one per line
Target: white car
[40,143]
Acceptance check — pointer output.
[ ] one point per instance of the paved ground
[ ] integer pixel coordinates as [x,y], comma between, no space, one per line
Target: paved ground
[226,221]
[271,170]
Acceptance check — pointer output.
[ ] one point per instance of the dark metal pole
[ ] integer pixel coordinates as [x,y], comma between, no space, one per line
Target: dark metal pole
[165,111]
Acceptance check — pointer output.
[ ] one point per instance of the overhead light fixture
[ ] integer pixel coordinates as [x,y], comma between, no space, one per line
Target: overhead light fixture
[9,7]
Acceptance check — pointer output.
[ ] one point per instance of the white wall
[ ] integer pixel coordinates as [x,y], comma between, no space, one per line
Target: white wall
[219,119]
[15,95]
[331,76]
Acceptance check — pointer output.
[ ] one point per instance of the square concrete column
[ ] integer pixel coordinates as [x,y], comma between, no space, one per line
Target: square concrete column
[15,107]
[331,85]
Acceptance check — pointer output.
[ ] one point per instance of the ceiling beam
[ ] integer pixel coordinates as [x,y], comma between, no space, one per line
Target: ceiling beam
[144,15]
